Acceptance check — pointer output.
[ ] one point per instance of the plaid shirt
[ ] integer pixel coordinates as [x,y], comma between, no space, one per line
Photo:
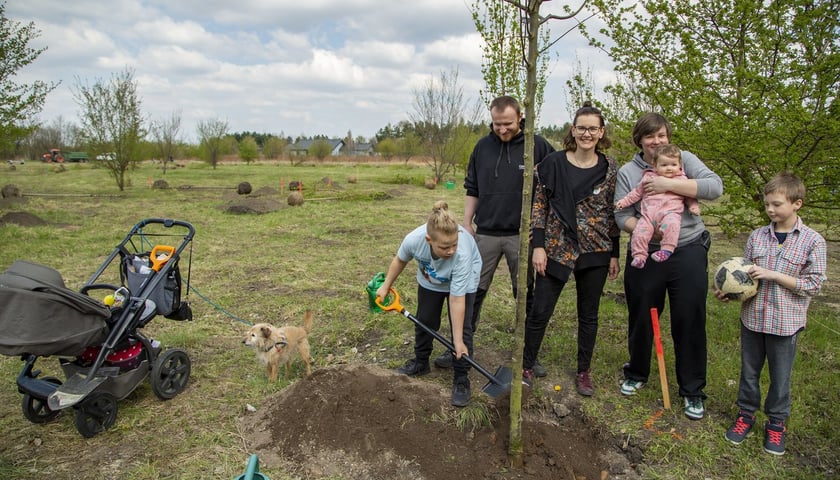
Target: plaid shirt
[775,309]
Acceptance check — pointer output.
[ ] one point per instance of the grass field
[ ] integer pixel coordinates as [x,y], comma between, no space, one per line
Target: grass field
[253,267]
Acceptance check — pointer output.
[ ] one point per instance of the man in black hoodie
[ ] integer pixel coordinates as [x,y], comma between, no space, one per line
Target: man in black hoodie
[494,198]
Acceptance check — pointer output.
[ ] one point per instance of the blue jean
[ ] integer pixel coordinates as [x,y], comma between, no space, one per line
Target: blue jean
[429,310]
[779,352]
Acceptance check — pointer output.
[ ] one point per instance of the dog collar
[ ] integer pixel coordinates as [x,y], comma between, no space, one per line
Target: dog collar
[275,346]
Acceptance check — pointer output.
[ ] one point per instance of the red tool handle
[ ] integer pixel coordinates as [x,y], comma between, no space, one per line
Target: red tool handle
[657,336]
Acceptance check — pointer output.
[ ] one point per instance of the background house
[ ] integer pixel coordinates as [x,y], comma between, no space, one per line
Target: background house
[302,147]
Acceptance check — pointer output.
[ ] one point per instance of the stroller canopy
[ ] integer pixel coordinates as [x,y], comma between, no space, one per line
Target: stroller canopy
[40,316]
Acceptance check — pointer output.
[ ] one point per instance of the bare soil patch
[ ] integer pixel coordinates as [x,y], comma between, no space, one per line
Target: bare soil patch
[364,422]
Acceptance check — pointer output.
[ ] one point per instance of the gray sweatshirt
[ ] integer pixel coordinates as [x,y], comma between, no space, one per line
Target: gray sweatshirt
[709,187]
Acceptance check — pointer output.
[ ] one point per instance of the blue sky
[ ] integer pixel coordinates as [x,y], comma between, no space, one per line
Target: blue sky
[305,67]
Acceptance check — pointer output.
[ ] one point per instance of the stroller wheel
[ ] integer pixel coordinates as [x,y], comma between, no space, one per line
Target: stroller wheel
[170,373]
[36,409]
[96,414]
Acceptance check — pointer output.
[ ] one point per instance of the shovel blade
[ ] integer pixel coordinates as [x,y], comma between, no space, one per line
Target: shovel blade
[500,383]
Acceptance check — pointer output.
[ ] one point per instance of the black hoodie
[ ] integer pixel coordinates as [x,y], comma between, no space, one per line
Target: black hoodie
[494,176]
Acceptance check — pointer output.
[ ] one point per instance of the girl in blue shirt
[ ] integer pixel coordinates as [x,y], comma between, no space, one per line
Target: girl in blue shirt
[448,270]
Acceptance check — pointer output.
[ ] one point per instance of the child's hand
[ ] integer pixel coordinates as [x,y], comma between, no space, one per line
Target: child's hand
[720,295]
[759,273]
[382,293]
[621,204]
[460,349]
[695,210]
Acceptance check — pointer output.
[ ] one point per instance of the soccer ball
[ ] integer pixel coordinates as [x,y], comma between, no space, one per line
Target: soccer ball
[733,279]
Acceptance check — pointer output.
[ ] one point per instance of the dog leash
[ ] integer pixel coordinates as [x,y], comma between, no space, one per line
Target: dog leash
[218,307]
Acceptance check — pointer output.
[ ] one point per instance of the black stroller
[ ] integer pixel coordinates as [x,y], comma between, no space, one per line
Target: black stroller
[101,352]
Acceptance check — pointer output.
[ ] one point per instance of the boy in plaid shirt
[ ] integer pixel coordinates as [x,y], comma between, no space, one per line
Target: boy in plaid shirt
[790,264]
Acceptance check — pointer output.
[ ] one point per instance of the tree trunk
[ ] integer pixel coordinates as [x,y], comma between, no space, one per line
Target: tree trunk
[515,438]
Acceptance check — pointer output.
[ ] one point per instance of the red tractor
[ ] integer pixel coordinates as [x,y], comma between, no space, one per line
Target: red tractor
[54,156]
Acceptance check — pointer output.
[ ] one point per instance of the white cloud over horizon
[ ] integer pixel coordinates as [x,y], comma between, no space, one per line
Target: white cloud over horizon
[315,67]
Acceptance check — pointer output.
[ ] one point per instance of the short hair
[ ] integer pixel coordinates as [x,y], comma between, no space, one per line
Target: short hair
[441,221]
[788,185]
[667,150]
[569,142]
[648,124]
[502,102]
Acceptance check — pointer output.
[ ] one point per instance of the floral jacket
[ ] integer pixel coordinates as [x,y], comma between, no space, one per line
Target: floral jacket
[595,238]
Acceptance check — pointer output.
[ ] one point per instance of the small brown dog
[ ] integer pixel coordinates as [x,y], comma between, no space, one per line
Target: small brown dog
[274,345]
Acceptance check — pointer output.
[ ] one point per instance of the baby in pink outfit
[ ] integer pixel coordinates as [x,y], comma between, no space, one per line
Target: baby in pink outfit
[660,211]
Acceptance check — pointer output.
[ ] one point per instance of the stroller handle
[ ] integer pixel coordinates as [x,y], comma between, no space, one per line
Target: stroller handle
[166,222]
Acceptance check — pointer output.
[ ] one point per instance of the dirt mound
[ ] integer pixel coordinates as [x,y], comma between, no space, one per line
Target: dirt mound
[365,422]
[23,219]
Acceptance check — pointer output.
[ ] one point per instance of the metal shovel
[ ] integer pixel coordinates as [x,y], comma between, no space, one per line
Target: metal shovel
[498,384]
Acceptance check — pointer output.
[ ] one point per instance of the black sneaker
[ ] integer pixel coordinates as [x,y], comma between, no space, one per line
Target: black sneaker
[539,370]
[739,430]
[774,437]
[460,394]
[414,368]
[444,360]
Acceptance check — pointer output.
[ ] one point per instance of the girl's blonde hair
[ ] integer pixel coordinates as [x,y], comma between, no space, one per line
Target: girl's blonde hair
[441,221]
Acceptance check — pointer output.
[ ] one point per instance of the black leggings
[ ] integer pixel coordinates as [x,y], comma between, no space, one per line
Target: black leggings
[589,285]
[429,310]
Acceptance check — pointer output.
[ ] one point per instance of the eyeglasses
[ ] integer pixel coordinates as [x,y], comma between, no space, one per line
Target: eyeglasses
[592,130]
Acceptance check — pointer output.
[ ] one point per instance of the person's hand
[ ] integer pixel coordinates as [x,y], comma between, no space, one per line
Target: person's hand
[539,260]
[615,268]
[720,295]
[695,210]
[468,227]
[382,293]
[759,273]
[657,185]
[460,349]
[621,204]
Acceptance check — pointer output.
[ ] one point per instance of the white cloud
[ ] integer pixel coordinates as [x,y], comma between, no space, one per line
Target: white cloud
[313,66]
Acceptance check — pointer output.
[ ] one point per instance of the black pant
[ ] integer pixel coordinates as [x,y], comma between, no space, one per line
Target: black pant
[429,310]
[589,285]
[684,277]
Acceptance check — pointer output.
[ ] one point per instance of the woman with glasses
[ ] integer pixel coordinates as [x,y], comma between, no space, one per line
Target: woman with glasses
[573,232]
[684,277]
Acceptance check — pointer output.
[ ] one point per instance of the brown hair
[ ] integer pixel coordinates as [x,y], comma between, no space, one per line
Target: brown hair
[667,150]
[441,221]
[648,124]
[787,184]
[569,142]
[501,103]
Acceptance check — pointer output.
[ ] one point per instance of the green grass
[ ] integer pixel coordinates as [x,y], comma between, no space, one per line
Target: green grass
[320,256]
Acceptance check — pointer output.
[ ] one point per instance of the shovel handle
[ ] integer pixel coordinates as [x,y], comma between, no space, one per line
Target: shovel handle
[394,305]
[165,252]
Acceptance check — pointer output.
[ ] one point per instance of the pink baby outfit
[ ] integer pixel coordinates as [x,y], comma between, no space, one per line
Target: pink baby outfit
[660,211]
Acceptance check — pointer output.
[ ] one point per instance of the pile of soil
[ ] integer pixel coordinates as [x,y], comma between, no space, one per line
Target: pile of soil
[24,219]
[361,421]
[264,200]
